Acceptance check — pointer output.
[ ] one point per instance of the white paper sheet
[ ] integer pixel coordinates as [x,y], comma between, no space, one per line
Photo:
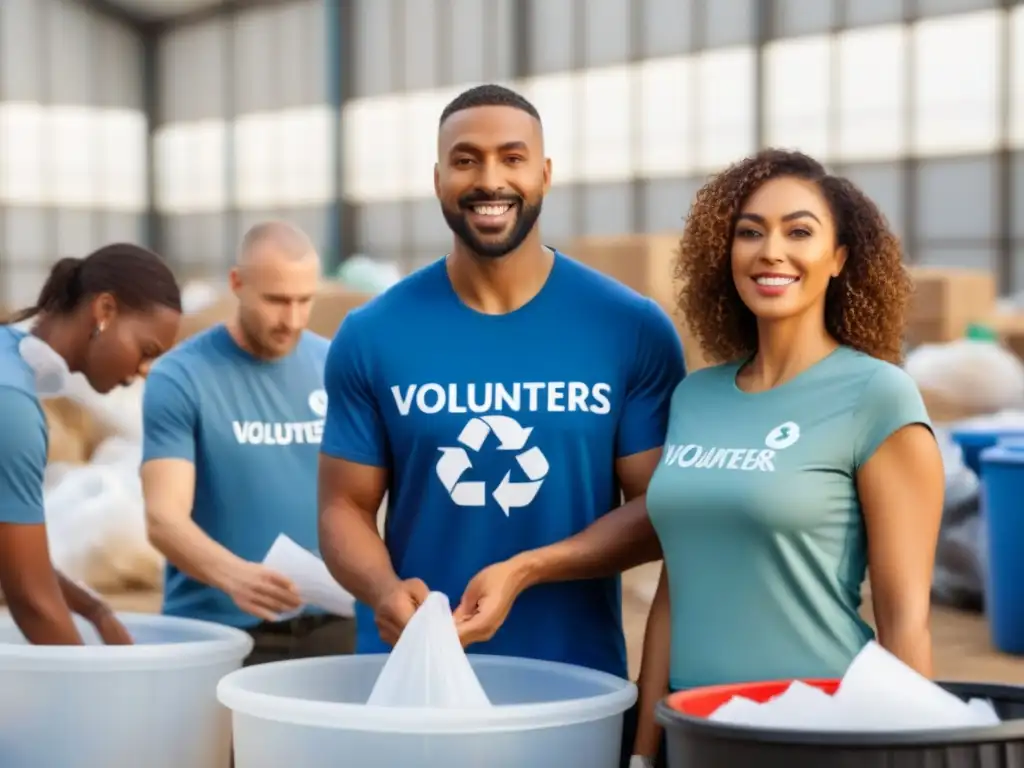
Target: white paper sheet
[315,584]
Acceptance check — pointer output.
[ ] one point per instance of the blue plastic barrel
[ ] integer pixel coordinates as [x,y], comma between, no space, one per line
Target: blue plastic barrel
[1002,487]
[975,439]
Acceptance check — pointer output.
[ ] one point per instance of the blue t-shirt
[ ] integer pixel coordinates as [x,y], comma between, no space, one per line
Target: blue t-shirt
[252,428]
[23,438]
[501,433]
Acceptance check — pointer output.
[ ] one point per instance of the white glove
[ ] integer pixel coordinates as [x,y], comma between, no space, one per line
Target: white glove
[640,761]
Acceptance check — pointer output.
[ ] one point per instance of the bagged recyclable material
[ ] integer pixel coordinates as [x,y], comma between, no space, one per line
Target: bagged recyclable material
[878,693]
[970,375]
[428,667]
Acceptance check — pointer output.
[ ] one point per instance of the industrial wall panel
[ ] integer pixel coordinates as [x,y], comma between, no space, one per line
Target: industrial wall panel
[1017,267]
[980,256]
[957,199]
[607,29]
[883,183]
[22,71]
[311,220]
[937,7]
[197,242]
[116,227]
[1018,195]
[470,20]
[193,67]
[501,37]
[607,208]
[376,41]
[21,285]
[379,225]
[119,69]
[558,221]
[429,228]
[667,27]
[26,235]
[280,57]
[551,37]
[667,202]
[75,233]
[803,17]
[72,52]
[419,52]
[861,13]
[729,22]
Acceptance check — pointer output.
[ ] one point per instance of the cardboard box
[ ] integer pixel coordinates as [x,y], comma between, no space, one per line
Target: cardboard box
[1010,329]
[645,263]
[333,302]
[946,301]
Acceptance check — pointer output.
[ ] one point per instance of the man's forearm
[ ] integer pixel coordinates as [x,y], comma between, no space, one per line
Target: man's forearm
[45,621]
[355,554]
[187,547]
[620,540]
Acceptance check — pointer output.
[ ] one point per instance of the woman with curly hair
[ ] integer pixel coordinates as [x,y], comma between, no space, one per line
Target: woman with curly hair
[799,463]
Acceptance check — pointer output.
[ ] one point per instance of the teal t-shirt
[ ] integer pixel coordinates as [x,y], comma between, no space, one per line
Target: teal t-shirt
[755,503]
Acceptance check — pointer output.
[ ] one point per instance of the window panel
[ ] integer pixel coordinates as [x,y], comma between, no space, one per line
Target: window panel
[21,66]
[956,199]
[375,143]
[190,167]
[607,209]
[73,141]
[422,110]
[27,235]
[957,96]
[606,32]
[123,160]
[668,27]
[604,141]
[871,93]
[802,17]
[730,22]
[798,94]
[667,96]
[375,41]
[857,13]
[725,126]
[257,152]
[667,203]
[1017,76]
[551,35]
[883,183]
[555,97]
[23,129]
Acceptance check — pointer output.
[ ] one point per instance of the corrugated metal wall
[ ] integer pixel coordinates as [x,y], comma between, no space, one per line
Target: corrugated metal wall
[72,138]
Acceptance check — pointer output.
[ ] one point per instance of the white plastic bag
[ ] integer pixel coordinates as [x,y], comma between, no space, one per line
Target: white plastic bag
[428,667]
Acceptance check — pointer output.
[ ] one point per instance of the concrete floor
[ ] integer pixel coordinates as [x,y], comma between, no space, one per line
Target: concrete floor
[961,641]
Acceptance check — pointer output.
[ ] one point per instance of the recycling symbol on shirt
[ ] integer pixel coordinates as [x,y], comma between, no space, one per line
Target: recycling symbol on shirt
[455,462]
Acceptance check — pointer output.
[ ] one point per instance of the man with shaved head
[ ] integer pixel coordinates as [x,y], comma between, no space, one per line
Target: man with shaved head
[232,423]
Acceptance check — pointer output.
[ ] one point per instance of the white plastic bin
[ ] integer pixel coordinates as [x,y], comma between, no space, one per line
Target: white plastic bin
[150,705]
[311,713]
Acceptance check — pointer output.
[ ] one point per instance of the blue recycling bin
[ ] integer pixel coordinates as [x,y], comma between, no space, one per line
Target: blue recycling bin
[1002,487]
[975,439]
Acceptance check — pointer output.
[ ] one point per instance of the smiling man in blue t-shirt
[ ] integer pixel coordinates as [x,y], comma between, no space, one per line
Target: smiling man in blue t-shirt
[504,396]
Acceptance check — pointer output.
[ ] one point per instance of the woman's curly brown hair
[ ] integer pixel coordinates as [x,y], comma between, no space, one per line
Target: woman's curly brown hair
[865,305]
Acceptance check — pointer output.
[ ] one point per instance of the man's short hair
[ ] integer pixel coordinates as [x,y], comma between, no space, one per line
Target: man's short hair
[489,95]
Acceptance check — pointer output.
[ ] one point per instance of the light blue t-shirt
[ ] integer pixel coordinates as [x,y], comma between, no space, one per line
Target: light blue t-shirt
[23,435]
[252,428]
[501,433]
[756,506]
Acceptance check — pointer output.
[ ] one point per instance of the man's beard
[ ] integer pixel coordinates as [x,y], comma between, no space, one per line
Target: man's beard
[261,346]
[526,219]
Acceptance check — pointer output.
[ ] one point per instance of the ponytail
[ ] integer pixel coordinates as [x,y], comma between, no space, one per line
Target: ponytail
[60,293]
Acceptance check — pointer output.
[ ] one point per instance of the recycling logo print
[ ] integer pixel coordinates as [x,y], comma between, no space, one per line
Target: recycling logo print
[455,462]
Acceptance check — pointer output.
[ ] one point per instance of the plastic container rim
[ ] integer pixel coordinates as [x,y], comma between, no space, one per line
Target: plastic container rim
[1003,453]
[220,644]
[622,694]
[1008,730]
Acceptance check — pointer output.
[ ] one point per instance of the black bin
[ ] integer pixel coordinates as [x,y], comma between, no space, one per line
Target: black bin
[695,742]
